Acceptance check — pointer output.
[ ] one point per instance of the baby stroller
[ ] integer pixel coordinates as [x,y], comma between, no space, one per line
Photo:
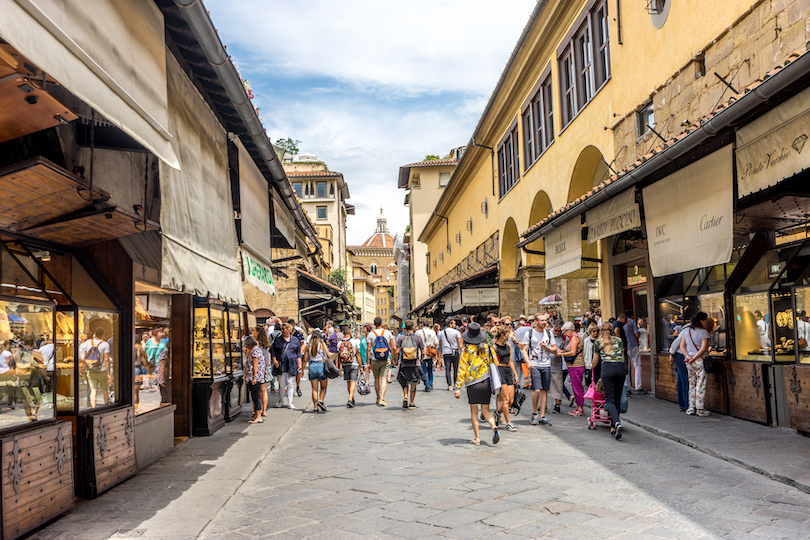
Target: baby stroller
[598,412]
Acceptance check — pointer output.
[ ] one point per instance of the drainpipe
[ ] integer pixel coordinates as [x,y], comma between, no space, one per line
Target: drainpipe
[195,14]
[491,162]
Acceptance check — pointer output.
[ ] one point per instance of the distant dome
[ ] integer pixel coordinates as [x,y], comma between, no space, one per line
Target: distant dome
[381,237]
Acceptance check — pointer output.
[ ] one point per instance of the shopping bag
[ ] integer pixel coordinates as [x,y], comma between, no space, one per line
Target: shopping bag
[494,379]
[623,402]
[362,385]
[591,393]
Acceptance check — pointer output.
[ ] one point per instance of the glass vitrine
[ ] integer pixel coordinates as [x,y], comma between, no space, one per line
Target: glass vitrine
[201,352]
[218,341]
[235,333]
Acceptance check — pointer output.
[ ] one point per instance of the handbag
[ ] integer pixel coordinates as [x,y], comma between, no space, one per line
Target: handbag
[330,370]
[707,363]
[623,401]
[494,374]
[363,387]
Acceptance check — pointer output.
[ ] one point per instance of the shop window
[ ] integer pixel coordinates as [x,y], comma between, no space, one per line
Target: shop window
[98,358]
[152,354]
[26,362]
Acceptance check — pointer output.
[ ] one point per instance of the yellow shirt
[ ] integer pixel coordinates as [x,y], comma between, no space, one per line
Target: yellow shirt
[472,367]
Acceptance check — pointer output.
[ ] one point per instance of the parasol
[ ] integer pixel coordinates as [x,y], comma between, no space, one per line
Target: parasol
[550,300]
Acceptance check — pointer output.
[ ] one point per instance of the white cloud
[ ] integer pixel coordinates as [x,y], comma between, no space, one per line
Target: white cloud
[369,86]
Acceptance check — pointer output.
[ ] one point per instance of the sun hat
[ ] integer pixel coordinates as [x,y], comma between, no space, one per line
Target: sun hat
[473,334]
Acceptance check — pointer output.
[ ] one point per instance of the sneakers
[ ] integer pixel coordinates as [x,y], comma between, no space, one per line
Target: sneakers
[618,432]
[411,406]
[279,405]
[298,390]
[482,418]
[350,403]
[703,412]
[382,403]
[496,437]
[321,406]
[545,422]
[690,412]
[510,427]
[556,408]
[449,388]
[404,403]
[291,406]
[535,419]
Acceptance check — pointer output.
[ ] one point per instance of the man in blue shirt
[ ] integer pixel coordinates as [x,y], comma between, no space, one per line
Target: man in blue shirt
[633,352]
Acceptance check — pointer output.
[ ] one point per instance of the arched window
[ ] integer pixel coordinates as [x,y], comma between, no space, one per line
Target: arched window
[373,269]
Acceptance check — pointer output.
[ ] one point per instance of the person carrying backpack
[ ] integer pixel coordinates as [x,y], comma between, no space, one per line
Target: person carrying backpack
[349,358]
[380,347]
[411,351]
[450,345]
[96,358]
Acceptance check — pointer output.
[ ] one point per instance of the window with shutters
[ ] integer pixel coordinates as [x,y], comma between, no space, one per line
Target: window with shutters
[508,160]
[538,121]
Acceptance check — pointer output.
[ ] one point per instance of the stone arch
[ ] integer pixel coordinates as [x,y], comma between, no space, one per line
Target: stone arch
[541,208]
[510,255]
[589,170]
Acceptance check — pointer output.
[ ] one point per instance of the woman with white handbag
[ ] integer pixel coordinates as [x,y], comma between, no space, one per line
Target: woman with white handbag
[474,370]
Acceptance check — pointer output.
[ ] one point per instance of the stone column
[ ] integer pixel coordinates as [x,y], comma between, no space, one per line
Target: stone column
[534,288]
[511,297]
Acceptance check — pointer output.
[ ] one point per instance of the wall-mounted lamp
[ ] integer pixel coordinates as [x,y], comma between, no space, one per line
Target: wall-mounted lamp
[458,237]
[485,207]
[469,225]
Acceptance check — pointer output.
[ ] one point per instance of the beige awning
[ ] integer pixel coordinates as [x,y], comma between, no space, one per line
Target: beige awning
[254,196]
[200,251]
[615,215]
[283,222]
[689,216]
[770,149]
[110,54]
[564,249]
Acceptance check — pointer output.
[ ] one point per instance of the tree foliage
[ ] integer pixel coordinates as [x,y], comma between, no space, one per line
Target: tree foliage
[431,157]
[337,277]
[290,146]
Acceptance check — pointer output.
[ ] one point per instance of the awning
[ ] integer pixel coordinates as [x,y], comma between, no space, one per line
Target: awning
[690,216]
[615,215]
[200,251]
[91,227]
[564,250]
[254,204]
[117,65]
[452,301]
[257,271]
[769,149]
[283,223]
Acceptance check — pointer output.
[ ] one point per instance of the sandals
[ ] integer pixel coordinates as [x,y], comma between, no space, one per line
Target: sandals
[476,443]
[575,413]
[255,421]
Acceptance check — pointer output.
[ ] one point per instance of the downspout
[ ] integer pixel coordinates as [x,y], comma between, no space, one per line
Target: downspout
[491,160]
[195,14]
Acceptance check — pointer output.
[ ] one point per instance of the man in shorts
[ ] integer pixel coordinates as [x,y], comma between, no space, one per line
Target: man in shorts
[538,347]
[349,356]
[431,347]
[412,351]
[380,351]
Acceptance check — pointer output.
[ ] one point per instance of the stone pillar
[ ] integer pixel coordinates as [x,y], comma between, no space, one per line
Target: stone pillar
[534,288]
[574,294]
[511,297]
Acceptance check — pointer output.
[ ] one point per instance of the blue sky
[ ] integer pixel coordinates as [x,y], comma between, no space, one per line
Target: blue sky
[371,85]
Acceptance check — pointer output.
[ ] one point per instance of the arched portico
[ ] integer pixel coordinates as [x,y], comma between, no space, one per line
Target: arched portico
[589,170]
[541,208]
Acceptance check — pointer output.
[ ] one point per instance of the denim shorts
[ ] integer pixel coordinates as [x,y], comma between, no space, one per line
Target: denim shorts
[316,371]
[541,378]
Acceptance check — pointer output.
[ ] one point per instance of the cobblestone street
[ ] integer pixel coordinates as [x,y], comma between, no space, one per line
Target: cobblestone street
[392,473]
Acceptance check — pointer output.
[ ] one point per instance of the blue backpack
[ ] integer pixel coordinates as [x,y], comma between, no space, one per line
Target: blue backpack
[381,349]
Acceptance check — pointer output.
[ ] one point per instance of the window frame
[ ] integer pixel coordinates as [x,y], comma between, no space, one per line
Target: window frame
[318,185]
[537,114]
[584,70]
[508,151]
[642,120]
[318,212]
[448,179]
[300,191]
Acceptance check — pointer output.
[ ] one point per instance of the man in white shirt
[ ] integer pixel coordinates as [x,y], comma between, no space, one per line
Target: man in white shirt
[538,349]
[431,342]
[451,344]
[96,358]
[46,348]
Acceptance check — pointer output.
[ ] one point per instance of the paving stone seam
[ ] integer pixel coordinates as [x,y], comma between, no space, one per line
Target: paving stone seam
[248,476]
[720,455]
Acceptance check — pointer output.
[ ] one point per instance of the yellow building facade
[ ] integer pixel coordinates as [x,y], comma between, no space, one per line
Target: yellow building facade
[532,152]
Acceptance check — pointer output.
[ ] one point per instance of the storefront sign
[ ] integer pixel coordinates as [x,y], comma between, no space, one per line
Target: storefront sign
[257,273]
[769,149]
[689,216]
[564,249]
[613,216]
[158,305]
[480,297]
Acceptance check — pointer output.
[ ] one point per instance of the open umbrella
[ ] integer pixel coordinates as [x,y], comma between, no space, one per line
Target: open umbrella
[550,300]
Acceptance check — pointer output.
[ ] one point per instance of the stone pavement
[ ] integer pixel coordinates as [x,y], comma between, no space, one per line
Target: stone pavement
[778,453]
[389,473]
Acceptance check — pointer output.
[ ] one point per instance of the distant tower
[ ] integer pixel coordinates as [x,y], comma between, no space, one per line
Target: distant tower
[382,223]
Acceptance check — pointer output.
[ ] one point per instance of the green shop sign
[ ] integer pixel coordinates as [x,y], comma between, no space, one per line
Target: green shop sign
[258,274]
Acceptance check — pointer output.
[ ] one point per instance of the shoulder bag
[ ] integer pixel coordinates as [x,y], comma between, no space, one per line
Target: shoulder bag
[329,369]
[494,374]
[707,362]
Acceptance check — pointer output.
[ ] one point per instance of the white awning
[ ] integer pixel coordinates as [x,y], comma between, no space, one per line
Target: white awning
[111,54]
[452,301]
[769,149]
[254,196]
[618,214]
[690,216]
[200,251]
[564,249]
[283,222]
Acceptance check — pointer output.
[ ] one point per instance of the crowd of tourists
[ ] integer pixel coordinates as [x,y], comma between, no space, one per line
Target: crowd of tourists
[494,357]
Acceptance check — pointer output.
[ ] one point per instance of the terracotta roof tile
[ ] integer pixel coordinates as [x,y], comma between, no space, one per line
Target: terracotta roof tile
[659,149]
[434,163]
[313,174]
